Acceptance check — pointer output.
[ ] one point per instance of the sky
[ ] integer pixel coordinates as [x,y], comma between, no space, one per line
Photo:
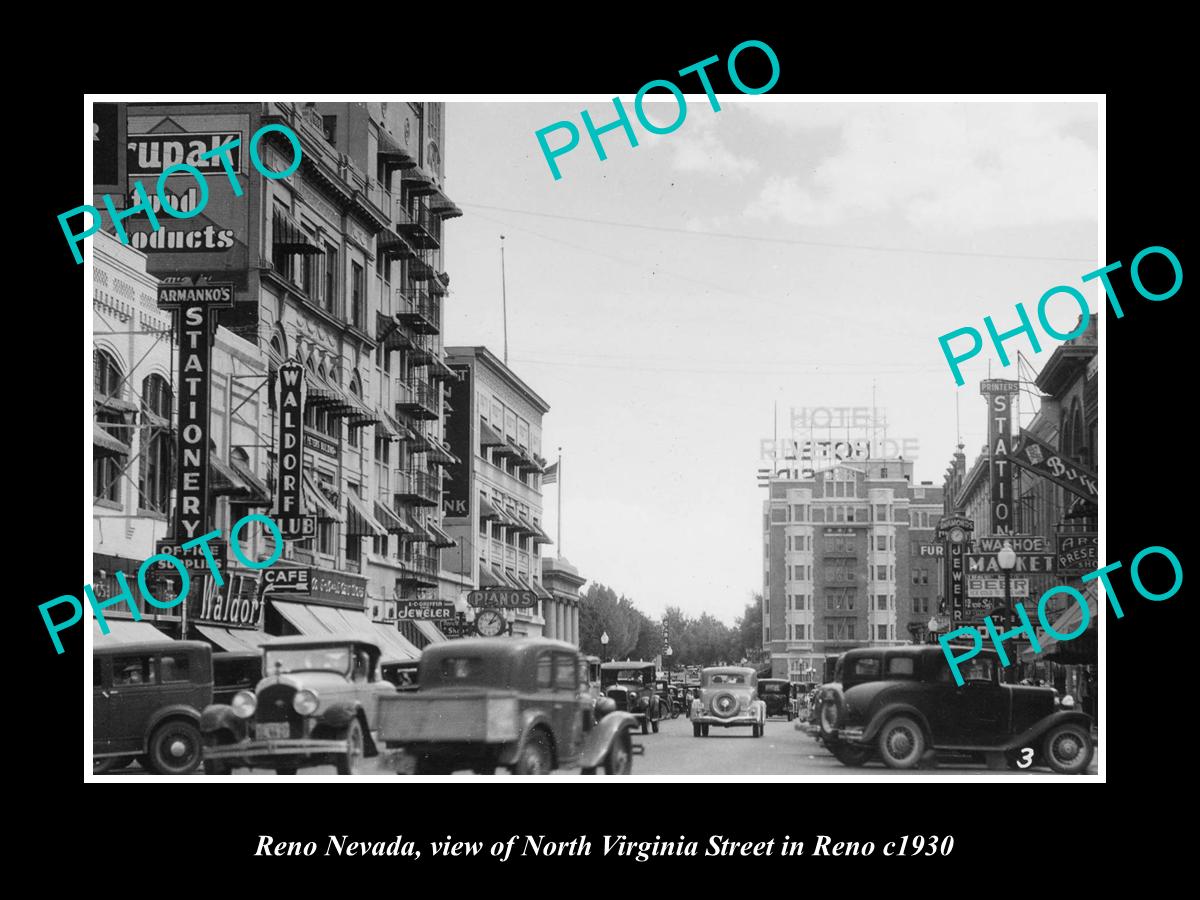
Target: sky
[774,254]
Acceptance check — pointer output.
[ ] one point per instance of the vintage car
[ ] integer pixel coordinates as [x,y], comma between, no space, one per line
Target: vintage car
[914,707]
[234,671]
[146,704]
[728,698]
[315,705]
[512,702]
[631,686]
[798,692]
[775,693]
[852,667]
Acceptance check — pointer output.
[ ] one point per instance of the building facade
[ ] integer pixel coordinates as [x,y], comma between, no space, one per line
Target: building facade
[837,551]
[493,504]
[337,266]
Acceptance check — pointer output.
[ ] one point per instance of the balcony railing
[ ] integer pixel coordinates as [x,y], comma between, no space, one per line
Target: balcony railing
[419,488]
[419,228]
[420,569]
[420,311]
[419,400]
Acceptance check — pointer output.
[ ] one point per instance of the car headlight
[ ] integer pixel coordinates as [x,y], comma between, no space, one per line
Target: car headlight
[305,702]
[244,703]
[1068,702]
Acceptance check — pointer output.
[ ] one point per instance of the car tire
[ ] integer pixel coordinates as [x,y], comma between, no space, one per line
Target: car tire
[535,757]
[348,763]
[654,726]
[619,760]
[704,730]
[646,725]
[901,742]
[175,748]
[830,713]
[695,729]
[756,730]
[215,767]
[285,770]
[850,756]
[1067,749]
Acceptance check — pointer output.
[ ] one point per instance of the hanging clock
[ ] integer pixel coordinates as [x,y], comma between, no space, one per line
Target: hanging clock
[957,535]
[489,622]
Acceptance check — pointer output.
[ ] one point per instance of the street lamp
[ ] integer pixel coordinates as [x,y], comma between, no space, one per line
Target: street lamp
[669,653]
[604,645]
[932,625]
[1006,559]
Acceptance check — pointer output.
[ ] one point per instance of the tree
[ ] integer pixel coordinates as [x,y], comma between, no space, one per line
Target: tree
[746,640]
[601,611]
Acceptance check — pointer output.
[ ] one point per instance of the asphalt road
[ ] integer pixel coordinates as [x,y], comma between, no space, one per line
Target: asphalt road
[782,750]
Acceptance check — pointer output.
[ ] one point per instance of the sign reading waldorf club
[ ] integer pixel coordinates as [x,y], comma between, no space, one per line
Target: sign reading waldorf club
[502,598]
[293,523]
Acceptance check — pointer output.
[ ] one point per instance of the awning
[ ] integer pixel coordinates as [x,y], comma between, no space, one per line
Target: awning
[430,631]
[314,497]
[234,480]
[489,578]
[394,646]
[360,521]
[489,436]
[539,536]
[442,206]
[392,155]
[391,244]
[387,425]
[126,632]
[234,639]
[320,393]
[289,237]
[150,417]
[298,615]
[510,581]
[486,510]
[116,404]
[1067,623]
[439,452]
[259,490]
[392,522]
[106,443]
[440,537]
[390,332]
[541,591]
[417,531]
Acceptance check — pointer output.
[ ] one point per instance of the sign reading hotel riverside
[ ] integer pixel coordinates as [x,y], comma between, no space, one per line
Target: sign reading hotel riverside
[152,154]
[204,542]
[623,122]
[1026,628]
[1026,327]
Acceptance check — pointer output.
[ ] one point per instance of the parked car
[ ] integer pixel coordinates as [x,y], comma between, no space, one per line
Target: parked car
[915,707]
[402,674]
[235,671]
[798,692]
[630,685]
[146,703]
[852,667]
[728,698]
[314,706]
[775,693]
[512,702]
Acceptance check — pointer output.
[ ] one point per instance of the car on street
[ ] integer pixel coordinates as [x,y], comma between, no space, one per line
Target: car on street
[512,702]
[234,671]
[852,667]
[630,684]
[146,704]
[728,698]
[315,705]
[775,693]
[914,707]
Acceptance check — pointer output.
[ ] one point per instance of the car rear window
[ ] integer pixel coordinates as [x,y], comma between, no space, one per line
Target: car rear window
[900,665]
[460,668]
[773,688]
[867,667]
[172,668]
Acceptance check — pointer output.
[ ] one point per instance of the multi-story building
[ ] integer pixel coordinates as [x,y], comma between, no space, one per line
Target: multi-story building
[337,266]
[837,562]
[493,504]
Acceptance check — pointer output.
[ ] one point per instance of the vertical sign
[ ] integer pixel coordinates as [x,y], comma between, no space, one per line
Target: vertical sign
[194,307]
[999,393]
[955,531]
[292,523]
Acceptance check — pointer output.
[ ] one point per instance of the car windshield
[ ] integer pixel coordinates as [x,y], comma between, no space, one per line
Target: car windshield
[309,659]
[772,688]
[625,675]
[726,678]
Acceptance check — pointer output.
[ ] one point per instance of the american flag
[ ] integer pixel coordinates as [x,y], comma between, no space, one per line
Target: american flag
[550,476]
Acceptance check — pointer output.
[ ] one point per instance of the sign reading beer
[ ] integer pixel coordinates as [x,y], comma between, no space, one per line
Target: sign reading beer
[999,393]
[1075,554]
[290,513]
[993,588]
[194,307]
[1040,458]
[428,610]
[502,598]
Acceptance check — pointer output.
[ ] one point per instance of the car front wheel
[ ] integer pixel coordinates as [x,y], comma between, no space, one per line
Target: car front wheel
[347,763]
[901,743]
[1068,749]
[620,756]
[175,748]
[695,729]
[535,756]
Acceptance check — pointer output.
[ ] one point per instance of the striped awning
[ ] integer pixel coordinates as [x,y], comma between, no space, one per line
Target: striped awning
[392,522]
[360,522]
[440,537]
[489,436]
[106,444]
[288,236]
[315,497]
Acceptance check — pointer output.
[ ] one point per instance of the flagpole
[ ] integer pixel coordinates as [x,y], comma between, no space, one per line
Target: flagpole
[559,473]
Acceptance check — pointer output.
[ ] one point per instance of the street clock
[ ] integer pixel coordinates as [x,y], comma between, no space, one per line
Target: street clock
[490,622]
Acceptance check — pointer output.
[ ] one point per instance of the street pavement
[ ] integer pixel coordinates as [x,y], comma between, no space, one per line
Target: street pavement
[781,751]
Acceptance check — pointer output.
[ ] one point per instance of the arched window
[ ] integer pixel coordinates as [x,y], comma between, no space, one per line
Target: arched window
[154,472]
[110,449]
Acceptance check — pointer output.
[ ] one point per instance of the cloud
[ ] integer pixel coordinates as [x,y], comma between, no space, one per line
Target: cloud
[939,166]
[697,147]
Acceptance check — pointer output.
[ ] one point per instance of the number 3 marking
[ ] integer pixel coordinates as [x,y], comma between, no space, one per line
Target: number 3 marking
[1026,759]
